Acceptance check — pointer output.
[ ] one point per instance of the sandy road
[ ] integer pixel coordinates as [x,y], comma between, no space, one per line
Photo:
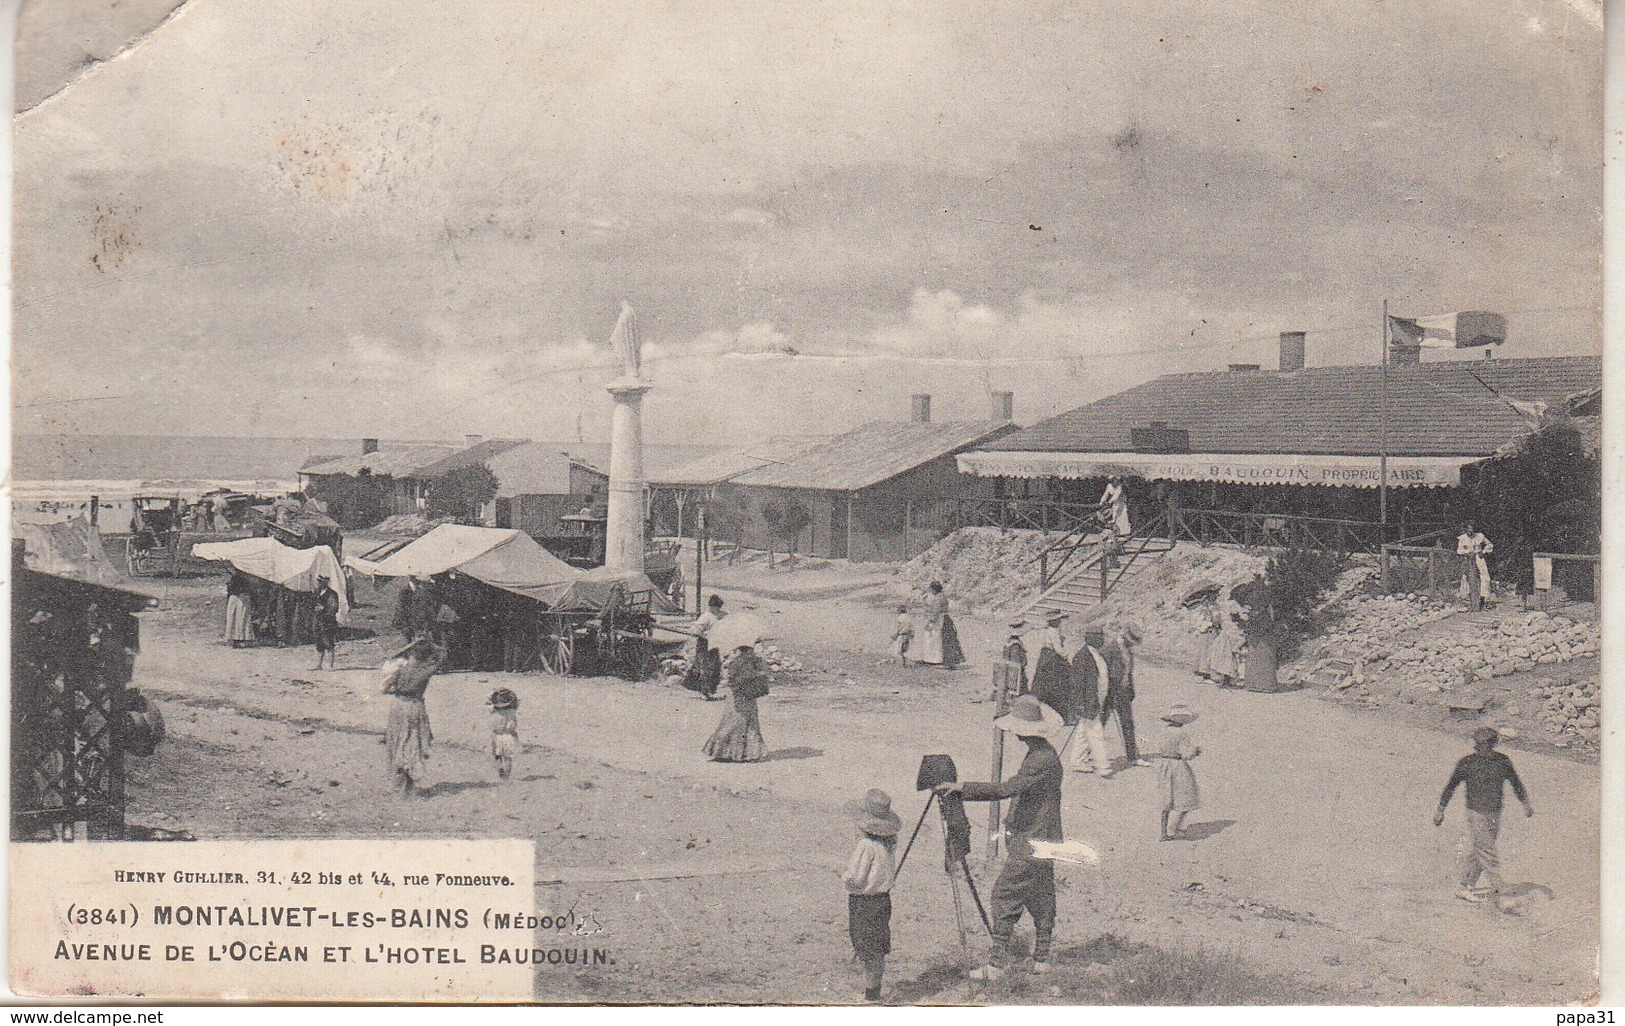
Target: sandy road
[1317,855]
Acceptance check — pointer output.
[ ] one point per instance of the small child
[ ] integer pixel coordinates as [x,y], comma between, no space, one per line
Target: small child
[1176,782]
[902,634]
[504,729]
[869,877]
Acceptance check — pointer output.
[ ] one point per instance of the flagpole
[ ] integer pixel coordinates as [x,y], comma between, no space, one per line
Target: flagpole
[1382,473]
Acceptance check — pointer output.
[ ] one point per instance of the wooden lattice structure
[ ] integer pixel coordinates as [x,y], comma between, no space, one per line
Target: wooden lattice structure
[73,652]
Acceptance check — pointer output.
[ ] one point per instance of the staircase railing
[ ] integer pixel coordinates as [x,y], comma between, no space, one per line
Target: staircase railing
[1153,530]
[1062,555]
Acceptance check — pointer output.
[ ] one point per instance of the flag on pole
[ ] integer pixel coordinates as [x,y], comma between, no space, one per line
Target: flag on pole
[1465,330]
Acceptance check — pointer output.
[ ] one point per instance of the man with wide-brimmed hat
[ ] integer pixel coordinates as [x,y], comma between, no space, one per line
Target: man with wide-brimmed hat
[1026,883]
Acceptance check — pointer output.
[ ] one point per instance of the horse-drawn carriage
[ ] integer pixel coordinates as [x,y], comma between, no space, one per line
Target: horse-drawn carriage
[163,529]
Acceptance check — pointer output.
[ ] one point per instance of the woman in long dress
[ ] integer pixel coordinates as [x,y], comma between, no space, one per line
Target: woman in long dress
[705,665]
[1220,659]
[239,611]
[738,738]
[407,736]
[939,642]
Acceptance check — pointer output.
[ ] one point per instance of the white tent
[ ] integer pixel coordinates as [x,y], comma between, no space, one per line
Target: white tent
[270,560]
[506,559]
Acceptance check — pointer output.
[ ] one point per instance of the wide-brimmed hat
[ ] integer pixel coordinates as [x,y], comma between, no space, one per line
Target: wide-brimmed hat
[1179,714]
[1056,616]
[1017,624]
[1028,717]
[502,698]
[874,814]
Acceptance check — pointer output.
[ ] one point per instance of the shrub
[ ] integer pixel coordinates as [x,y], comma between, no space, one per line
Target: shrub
[1281,606]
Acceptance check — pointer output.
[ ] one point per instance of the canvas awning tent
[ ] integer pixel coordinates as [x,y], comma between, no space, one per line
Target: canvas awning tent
[1362,471]
[506,559]
[73,550]
[270,560]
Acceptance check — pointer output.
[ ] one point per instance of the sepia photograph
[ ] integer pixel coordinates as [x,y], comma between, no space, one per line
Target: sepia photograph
[1038,502]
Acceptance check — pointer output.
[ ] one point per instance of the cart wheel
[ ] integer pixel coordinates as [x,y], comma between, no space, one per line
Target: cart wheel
[564,656]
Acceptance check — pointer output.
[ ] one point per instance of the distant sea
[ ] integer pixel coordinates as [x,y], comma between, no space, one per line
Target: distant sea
[41,458]
[54,476]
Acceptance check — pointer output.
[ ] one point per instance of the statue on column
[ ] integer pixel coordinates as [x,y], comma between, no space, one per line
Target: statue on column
[626,343]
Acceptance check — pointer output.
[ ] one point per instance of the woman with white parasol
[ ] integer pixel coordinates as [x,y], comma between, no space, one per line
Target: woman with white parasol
[738,738]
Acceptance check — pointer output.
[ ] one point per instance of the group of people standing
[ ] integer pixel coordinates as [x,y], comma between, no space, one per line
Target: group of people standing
[1093,686]
[256,609]
[1026,881]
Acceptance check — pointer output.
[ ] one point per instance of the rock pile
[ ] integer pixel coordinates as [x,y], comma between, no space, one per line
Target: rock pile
[1389,637]
[1571,708]
[778,660]
[982,569]
[409,525]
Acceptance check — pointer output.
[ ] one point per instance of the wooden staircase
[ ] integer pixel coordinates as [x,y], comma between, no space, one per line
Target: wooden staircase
[1080,587]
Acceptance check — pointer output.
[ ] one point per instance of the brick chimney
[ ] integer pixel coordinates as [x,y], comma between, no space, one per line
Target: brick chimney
[1292,351]
[1404,356]
[921,409]
[1004,407]
[369,445]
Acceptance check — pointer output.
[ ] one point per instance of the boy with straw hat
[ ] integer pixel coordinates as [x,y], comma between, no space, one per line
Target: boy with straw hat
[869,877]
[1025,883]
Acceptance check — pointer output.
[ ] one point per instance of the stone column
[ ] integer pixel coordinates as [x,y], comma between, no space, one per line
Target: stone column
[623,547]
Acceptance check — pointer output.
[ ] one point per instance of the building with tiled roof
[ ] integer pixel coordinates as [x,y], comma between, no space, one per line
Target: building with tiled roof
[1235,439]
[1320,425]
[883,491]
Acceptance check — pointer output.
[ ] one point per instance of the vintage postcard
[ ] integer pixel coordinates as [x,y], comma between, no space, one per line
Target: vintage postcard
[1038,502]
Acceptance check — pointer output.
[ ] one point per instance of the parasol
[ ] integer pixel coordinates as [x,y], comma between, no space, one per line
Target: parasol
[737,629]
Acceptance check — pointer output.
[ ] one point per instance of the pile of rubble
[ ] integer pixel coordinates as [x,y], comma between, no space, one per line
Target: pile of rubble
[982,569]
[1384,633]
[409,525]
[1384,643]
[1570,708]
[778,660]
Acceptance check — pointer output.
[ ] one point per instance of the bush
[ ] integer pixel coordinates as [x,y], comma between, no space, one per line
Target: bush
[1281,606]
[1544,497]
[460,493]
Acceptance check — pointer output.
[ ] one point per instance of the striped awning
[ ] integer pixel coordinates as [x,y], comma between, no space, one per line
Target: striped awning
[1283,468]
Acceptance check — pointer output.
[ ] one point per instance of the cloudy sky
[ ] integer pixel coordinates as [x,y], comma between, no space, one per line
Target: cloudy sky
[416,219]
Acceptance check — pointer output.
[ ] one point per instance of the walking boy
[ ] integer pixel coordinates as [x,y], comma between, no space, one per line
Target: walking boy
[1484,772]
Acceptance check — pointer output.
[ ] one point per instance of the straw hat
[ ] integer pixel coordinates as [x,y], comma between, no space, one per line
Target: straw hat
[502,698]
[1179,715]
[1028,717]
[874,814]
